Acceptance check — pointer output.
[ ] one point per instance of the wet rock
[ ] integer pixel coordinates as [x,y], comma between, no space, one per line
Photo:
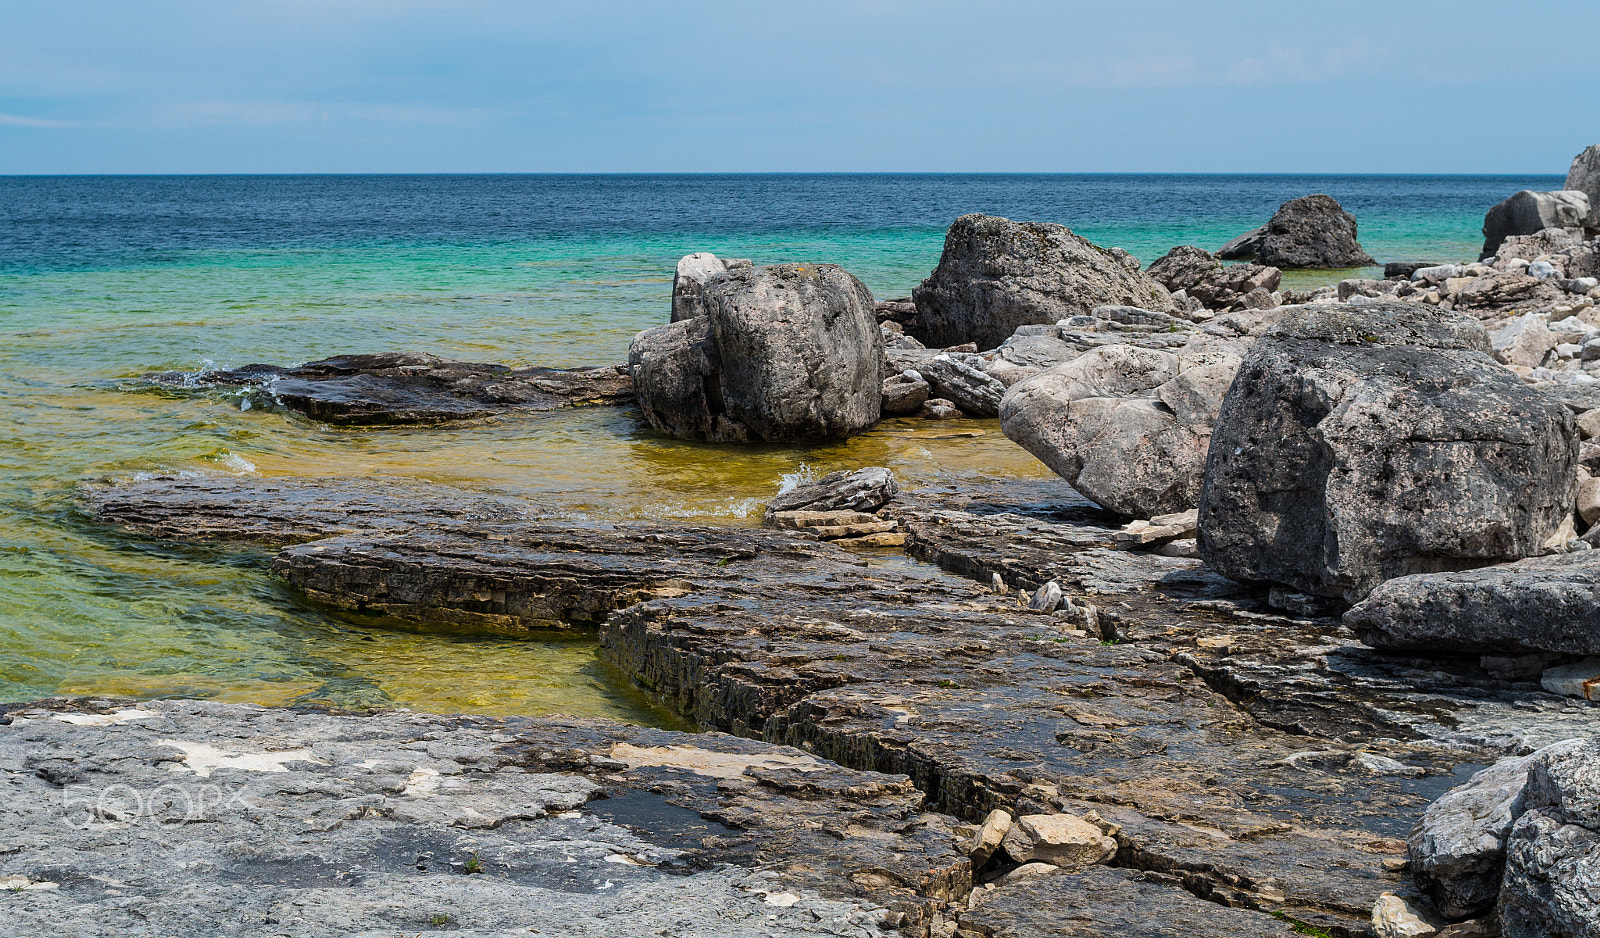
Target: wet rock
[413,388]
[787,353]
[1058,839]
[1313,231]
[1183,267]
[996,275]
[976,393]
[847,489]
[1538,604]
[1525,213]
[938,408]
[1381,433]
[1552,861]
[904,394]
[291,511]
[689,281]
[1139,456]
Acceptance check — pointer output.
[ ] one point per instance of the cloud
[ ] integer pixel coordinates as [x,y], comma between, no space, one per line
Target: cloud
[22,120]
[1287,64]
[263,113]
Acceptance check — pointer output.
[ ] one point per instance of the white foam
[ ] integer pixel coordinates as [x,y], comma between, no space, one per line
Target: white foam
[790,481]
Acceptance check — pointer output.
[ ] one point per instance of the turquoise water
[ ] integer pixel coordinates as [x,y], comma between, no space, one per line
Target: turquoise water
[102,279]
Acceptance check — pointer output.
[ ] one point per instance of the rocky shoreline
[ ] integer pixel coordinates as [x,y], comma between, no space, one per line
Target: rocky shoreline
[1314,561]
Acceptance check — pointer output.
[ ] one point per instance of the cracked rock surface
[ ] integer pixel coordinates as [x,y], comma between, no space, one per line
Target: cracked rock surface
[1251,763]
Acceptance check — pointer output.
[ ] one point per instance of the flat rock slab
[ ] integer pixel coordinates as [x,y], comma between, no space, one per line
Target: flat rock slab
[413,388]
[188,818]
[1539,604]
[289,511]
[1265,762]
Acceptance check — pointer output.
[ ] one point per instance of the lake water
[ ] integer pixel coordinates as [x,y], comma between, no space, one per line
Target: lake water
[104,278]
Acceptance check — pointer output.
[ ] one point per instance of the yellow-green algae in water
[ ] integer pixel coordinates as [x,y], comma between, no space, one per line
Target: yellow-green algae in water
[86,610]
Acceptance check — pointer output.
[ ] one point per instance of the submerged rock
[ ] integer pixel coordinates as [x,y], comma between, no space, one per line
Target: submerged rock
[996,274]
[1359,444]
[1311,232]
[845,490]
[787,353]
[413,388]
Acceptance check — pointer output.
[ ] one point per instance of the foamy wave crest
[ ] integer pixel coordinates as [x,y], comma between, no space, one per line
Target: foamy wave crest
[790,481]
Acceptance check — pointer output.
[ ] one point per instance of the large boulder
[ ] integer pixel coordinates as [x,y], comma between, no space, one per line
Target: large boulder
[1126,426]
[690,279]
[1527,212]
[786,353]
[1363,443]
[1183,267]
[1538,604]
[996,274]
[1584,176]
[1311,232]
[1551,887]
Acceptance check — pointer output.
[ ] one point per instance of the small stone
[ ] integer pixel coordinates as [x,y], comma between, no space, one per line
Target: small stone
[986,840]
[1574,680]
[1394,917]
[1027,871]
[1060,839]
[938,409]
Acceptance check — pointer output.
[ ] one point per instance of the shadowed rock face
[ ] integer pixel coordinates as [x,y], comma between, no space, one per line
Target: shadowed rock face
[785,353]
[996,274]
[1584,176]
[1250,759]
[1538,604]
[412,388]
[1526,213]
[1311,232]
[1359,444]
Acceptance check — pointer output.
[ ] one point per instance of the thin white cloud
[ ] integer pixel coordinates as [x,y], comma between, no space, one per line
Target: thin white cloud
[22,120]
[262,113]
[1286,64]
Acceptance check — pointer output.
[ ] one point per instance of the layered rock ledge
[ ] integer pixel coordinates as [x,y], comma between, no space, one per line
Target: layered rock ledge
[1254,768]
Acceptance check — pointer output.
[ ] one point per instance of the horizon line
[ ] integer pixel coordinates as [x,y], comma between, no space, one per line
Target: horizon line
[709,173]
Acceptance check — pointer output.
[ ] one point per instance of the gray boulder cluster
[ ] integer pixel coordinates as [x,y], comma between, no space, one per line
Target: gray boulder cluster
[1518,844]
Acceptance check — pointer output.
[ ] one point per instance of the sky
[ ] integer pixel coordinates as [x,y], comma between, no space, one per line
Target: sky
[253,86]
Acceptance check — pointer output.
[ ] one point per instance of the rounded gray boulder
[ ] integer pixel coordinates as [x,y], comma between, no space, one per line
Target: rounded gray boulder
[785,353]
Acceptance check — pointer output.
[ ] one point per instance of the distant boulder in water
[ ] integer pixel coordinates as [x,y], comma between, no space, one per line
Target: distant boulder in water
[1313,232]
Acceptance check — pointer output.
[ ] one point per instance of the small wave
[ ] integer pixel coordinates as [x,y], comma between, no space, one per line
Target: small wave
[732,508]
[790,481]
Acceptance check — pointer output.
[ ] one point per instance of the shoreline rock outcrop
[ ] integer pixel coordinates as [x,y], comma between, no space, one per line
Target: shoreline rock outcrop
[411,388]
[1313,232]
[996,274]
[1526,213]
[784,353]
[1363,443]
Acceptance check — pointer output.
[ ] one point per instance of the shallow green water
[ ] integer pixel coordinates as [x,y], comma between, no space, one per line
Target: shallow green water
[84,610]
